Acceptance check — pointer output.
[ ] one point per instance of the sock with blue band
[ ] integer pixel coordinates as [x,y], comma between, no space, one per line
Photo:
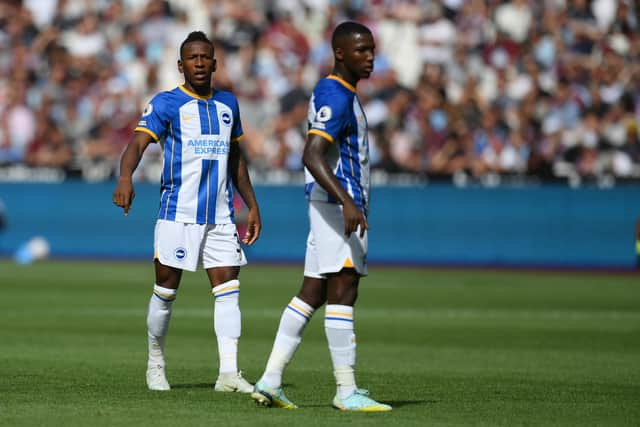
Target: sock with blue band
[339,328]
[158,317]
[227,324]
[294,319]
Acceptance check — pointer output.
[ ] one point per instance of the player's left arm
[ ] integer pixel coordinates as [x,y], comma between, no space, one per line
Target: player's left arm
[242,182]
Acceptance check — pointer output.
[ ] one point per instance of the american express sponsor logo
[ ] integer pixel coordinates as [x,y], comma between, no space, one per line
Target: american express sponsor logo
[209,146]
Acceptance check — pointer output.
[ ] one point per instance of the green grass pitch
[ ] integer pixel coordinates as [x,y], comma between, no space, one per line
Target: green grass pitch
[443,346]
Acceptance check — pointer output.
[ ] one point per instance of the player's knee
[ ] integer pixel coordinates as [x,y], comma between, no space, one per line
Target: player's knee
[343,287]
[221,275]
[313,292]
[343,295]
[314,299]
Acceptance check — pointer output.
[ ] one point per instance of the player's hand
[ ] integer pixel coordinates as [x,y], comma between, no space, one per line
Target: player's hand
[253,227]
[124,194]
[353,217]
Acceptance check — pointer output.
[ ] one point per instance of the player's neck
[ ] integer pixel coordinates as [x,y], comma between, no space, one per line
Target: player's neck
[201,91]
[347,77]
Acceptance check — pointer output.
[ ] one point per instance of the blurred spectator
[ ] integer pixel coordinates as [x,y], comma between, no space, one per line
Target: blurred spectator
[85,41]
[514,18]
[49,147]
[473,24]
[582,31]
[437,35]
[17,124]
[289,131]
[544,90]
[386,117]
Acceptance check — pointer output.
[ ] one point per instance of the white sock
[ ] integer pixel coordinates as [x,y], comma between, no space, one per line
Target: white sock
[338,326]
[227,324]
[158,317]
[292,323]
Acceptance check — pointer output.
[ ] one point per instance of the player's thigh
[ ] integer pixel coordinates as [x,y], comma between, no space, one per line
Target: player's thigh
[311,261]
[313,291]
[332,250]
[178,244]
[219,275]
[342,287]
[221,247]
[166,276]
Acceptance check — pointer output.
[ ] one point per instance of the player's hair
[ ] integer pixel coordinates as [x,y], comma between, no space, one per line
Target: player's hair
[347,29]
[195,36]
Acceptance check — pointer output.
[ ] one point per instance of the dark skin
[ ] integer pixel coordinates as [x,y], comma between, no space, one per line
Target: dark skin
[354,55]
[197,63]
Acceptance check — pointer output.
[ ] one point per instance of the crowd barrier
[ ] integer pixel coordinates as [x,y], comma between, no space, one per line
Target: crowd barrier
[530,226]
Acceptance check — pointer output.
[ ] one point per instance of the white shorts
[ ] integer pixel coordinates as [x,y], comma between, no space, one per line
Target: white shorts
[184,246]
[328,249]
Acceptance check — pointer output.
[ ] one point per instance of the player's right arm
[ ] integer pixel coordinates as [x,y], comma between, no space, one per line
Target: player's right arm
[315,161]
[124,193]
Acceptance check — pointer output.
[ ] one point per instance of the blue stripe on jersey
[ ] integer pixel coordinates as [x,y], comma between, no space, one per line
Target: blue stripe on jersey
[365,142]
[308,188]
[230,200]
[165,181]
[213,192]
[205,129]
[207,192]
[212,111]
[209,124]
[177,177]
[351,169]
[171,178]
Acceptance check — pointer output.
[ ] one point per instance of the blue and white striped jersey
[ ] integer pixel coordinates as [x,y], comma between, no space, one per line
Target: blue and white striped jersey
[336,114]
[195,134]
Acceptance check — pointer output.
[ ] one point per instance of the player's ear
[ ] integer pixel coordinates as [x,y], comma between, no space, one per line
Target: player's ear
[215,64]
[180,66]
[338,53]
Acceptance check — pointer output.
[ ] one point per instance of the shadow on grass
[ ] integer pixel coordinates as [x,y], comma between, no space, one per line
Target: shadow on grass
[210,385]
[394,403]
[401,403]
[193,385]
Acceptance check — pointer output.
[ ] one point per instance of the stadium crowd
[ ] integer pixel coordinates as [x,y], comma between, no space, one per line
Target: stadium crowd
[477,88]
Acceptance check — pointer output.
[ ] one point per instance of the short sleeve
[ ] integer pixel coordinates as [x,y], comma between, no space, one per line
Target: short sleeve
[154,119]
[327,113]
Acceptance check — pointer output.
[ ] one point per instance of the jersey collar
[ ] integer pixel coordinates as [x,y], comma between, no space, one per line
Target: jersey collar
[195,95]
[342,81]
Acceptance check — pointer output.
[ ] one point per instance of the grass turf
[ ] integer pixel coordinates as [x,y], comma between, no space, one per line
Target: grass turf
[444,347]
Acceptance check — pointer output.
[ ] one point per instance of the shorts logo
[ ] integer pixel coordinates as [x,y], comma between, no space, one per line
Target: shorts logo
[180,254]
[324,114]
[226,118]
[148,110]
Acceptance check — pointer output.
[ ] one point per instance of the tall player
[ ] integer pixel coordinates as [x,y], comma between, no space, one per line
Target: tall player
[199,129]
[336,157]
